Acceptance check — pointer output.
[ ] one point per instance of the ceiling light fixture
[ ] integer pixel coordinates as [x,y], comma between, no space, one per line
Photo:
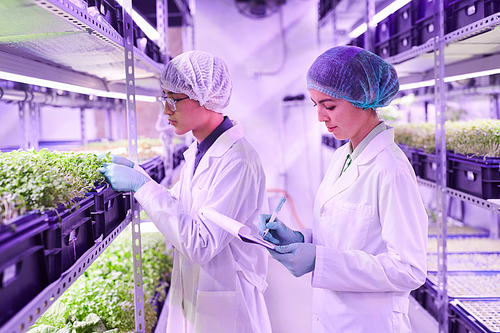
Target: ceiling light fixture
[147,28]
[452,78]
[393,7]
[71,87]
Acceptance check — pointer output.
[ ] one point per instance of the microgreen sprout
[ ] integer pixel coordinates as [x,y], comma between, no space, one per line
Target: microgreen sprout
[41,180]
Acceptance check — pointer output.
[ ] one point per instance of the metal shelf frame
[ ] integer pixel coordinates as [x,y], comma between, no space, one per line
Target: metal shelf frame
[22,321]
[491,206]
[126,66]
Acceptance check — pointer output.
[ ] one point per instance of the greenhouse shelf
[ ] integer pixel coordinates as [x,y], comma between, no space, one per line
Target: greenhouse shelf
[85,50]
[477,315]
[26,317]
[493,206]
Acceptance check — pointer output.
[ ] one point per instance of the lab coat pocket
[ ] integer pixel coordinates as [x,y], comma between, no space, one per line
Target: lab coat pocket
[345,225]
[400,322]
[216,311]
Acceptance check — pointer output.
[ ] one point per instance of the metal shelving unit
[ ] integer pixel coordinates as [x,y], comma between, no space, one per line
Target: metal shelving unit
[59,41]
[33,310]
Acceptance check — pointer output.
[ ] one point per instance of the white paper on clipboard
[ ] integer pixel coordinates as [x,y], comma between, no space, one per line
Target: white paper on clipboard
[234,227]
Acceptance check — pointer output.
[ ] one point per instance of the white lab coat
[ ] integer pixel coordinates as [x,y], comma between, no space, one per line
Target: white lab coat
[370,229]
[217,280]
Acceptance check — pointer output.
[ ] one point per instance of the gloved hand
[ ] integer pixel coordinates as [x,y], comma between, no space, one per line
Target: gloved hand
[123,178]
[298,258]
[278,233]
[118,160]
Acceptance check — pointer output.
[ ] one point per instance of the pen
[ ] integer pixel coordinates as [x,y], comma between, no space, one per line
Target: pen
[275,213]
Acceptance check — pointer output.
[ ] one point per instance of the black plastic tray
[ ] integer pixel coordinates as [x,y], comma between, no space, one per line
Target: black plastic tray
[23,269]
[155,168]
[476,175]
[69,236]
[110,209]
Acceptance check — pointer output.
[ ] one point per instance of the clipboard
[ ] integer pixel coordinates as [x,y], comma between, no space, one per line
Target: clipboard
[235,228]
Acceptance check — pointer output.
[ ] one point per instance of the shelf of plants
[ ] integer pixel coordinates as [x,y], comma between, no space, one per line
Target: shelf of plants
[57,215]
[473,260]
[473,155]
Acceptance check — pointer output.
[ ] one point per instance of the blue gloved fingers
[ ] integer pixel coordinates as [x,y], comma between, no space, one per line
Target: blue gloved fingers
[298,258]
[262,221]
[118,160]
[123,178]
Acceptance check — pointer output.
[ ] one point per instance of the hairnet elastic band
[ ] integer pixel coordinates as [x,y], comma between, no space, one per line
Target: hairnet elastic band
[337,96]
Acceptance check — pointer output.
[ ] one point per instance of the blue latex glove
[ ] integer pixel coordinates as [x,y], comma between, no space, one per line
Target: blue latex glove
[123,178]
[279,233]
[298,258]
[118,160]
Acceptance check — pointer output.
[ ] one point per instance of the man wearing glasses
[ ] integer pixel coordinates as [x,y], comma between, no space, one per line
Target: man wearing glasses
[217,280]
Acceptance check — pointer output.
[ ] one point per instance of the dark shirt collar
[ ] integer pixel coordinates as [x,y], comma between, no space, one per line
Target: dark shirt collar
[210,139]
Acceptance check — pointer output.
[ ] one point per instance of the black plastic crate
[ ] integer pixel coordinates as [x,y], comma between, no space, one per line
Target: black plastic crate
[155,168]
[110,209]
[426,297]
[424,10]
[464,12]
[425,30]
[476,176]
[23,269]
[178,155]
[119,18]
[384,30]
[140,38]
[69,236]
[478,315]
[20,225]
[327,140]
[384,49]
[428,168]
[404,41]
[403,19]
[153,51]
[107,8]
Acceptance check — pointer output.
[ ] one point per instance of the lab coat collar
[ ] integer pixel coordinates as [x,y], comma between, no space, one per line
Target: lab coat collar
[327,191]
[218,149]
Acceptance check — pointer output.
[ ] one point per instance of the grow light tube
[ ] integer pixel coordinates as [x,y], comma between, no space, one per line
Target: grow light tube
[379,17]
[148,29]
[71,87]
[429,83]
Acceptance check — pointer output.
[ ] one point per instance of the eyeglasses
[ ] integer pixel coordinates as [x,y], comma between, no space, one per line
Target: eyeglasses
[171,102]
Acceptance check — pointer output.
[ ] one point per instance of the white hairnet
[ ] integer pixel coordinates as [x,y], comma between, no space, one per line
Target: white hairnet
[200,75]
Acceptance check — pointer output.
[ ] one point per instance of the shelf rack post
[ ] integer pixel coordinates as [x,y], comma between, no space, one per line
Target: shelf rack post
[439,97]
[132,149]
[370,25]
[162,27]
[82,126]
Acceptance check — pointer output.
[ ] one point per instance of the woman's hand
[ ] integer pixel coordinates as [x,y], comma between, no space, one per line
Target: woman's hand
[279,233]
[298,258]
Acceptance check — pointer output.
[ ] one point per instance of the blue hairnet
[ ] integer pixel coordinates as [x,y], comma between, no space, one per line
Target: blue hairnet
[355,75]
[200,75]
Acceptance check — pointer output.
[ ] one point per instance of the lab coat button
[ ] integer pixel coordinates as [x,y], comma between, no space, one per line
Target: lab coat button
[315,318]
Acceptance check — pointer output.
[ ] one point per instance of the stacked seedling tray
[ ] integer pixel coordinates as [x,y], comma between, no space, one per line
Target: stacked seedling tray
[23,270]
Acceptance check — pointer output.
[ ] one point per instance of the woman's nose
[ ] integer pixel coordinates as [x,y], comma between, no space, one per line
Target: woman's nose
[322,117]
